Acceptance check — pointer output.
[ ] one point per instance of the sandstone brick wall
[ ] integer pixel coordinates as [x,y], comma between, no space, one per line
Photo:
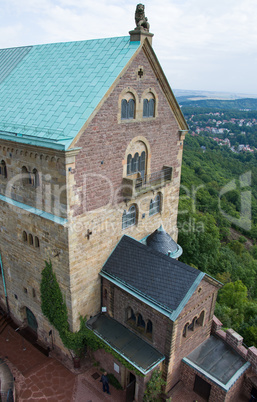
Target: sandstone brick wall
[106,361]
[217,394]
[118,302]
[105,140]
[249,383]
[23,263]
[84,185]
[94,197]
[167,336]
[50,195]
[203,299]
[236,389]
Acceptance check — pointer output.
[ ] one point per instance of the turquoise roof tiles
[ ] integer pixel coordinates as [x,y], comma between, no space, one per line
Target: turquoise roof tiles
[47,92]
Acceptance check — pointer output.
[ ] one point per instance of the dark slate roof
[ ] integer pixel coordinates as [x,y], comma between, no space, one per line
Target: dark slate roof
[217,361]
[156,277]
[130,346]
[161,241]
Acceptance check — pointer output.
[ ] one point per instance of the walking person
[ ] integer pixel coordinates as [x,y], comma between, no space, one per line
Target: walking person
[105,381]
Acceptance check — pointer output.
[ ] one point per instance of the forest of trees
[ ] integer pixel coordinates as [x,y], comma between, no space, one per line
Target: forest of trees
[225,248]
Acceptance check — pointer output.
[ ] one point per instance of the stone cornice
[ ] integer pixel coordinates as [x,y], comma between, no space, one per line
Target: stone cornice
[212,281]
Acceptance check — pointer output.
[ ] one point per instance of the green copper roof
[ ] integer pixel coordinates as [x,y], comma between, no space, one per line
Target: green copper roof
[47,92]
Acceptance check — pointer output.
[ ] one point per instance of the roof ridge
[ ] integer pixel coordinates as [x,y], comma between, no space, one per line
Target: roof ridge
[64,42]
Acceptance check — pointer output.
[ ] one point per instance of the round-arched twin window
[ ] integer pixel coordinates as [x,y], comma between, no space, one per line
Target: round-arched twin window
[136,164]
[128,107]
[28,178]
[149,107]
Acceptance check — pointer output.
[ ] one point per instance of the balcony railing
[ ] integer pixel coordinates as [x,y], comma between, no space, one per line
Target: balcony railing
[136,186]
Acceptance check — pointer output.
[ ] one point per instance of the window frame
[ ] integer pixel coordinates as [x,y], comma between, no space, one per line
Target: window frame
[128,108]
[149,106]
[136,164]
[155,205]
[129,218]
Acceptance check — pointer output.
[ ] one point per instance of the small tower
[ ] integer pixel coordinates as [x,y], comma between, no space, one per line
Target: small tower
[142,26]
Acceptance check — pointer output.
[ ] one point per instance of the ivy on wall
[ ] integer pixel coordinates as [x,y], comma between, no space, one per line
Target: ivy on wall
[52,303]
[154,388]
[54,308]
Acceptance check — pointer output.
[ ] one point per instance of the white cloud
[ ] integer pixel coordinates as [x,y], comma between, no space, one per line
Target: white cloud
[201,45]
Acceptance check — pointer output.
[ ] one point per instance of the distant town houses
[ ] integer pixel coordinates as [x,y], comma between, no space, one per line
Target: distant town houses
[199,125]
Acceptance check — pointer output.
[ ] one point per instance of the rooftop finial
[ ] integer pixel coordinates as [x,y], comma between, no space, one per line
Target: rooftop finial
[140,18]
[141,32]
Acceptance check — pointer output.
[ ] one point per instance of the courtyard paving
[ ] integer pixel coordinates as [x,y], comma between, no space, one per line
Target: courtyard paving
[46,379]
[42,378]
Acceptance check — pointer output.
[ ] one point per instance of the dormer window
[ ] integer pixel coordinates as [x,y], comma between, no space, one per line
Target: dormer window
[127,109]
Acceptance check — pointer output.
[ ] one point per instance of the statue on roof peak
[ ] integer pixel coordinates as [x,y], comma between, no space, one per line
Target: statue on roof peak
[140,18]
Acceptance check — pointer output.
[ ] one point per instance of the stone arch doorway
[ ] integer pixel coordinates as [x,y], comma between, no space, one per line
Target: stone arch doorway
[31,320]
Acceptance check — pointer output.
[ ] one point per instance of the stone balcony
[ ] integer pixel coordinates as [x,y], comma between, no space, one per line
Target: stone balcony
[136,185]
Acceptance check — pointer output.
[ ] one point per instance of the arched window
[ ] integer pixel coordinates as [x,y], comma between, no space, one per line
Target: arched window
[140,321]
[26,179]
[131,109]
[155,205]
[124,109]
[149,106]
[149,327]
[142,164]
[131,315]
[35,178]
[24,236]
[129,167]
[200,319]
[136,164]
[127,109]
[3,169]
[185,330]
[124,219]
[129,218]
[36,242]
[30,240]
[191,326]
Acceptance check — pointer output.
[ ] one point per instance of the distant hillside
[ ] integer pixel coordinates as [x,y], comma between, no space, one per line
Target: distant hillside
[186,93]
[242,104]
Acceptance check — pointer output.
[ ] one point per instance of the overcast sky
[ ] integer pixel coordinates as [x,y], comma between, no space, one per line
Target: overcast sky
[201,44]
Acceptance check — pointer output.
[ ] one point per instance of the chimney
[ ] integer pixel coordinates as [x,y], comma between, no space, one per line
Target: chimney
[142,26]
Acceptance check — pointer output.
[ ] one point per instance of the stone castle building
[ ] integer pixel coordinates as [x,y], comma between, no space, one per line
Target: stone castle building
[91,140]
